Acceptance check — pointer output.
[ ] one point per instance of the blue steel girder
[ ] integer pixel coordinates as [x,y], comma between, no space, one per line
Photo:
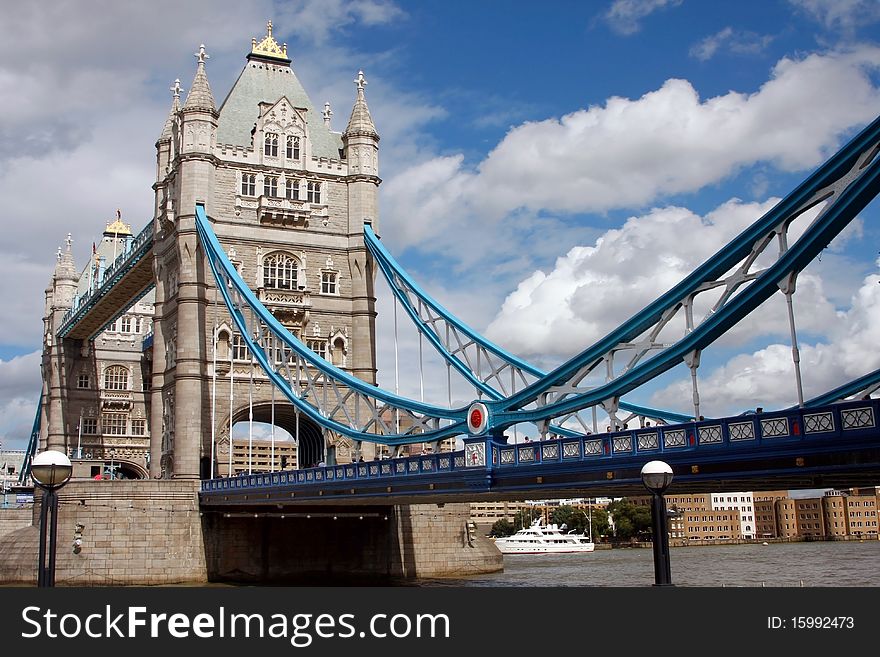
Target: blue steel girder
[861,387]
[840,188]
[329,396]
[489,368]
[126,281]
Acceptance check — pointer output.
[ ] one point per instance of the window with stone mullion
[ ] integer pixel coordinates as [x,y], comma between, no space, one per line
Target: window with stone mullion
[270,144]
[270,186]
[280,272]
[293,148]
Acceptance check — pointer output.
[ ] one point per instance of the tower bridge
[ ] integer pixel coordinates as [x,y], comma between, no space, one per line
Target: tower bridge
[251,295]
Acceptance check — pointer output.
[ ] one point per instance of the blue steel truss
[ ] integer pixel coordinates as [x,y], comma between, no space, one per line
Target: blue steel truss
[838,190]
[862,386]
[479,360]
[33,443]
[841,188]
[332,398]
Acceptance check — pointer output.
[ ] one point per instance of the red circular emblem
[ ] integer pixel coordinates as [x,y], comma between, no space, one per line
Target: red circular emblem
[476,417]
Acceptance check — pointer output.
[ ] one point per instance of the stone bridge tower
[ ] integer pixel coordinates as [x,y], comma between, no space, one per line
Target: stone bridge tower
[287,197]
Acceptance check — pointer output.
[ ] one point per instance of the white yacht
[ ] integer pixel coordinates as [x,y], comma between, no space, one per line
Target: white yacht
[544,539]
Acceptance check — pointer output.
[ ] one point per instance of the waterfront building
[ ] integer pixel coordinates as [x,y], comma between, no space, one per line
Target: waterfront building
[810,517]
[765,518]
[257,455]
[861,515]
[786,518]
[712,525]
[11,463]
[834,508]
[742,502]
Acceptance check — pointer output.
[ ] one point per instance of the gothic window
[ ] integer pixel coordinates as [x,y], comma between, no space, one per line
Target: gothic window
[328,282]
[239,348]
[125,324]
[293,148]
[270,186]
[319,347]
[313,194]
[116,378]
[248,184]
[270,144]
[293,189]
[82,381]
[114,424]
[280,271]
[90,426]
[138,427]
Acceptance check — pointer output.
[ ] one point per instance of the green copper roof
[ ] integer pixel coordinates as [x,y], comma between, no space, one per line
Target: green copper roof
[264,81]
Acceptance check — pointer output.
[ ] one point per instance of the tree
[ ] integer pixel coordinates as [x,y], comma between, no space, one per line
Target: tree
[630,521]
[579,520]
[501,528]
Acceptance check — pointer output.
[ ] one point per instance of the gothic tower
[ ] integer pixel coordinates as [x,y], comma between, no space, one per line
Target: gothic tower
[287,197]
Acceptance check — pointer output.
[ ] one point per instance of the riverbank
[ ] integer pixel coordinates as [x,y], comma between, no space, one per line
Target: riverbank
[758,541]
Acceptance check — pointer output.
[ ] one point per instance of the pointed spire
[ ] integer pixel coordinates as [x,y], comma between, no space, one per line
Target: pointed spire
[200,95]
[175,108]
[65,268]
[361,122]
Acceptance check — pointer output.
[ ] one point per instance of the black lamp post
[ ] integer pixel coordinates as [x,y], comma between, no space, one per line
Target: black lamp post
[50,470]
[657,476]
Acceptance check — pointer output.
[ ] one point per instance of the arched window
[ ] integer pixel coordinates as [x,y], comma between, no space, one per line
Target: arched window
[293,148]
[313,192]
[280,271]
[116,378]
[270,144]
[293,189]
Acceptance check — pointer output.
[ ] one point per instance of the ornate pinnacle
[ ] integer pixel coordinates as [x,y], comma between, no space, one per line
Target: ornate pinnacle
[201,55]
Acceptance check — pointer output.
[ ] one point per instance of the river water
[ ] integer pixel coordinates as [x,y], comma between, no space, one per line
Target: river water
[851,563]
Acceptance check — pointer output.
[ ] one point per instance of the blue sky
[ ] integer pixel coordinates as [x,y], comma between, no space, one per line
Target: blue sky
[547,169]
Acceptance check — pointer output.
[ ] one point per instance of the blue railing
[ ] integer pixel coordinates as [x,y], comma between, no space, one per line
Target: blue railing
[770,431]
[134,251]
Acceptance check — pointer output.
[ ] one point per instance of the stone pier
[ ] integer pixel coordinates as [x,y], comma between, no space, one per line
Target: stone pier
[152,532]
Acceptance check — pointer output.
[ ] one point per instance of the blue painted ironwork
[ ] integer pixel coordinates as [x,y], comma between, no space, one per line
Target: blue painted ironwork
[847,182]
[416,301]
[339,389]
[33,443]
[864,385]
[135,250]
[800,432]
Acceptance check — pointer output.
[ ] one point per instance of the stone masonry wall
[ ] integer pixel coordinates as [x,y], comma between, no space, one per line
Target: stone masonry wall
[15,518]
[133,533]
[434,541]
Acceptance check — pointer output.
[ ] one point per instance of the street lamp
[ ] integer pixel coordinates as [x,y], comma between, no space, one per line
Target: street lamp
[656,476]
[50,471]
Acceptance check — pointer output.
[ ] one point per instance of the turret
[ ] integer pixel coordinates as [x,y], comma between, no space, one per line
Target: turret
[361,144]
[199,113]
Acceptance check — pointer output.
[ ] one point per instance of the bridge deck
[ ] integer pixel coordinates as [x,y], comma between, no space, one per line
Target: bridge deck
[834,446]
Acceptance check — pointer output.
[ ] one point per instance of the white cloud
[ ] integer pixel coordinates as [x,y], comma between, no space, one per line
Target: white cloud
[631,152]
[315,20]
[842,15]
[624,16]
[766,376]
[19,393]
[739,42]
